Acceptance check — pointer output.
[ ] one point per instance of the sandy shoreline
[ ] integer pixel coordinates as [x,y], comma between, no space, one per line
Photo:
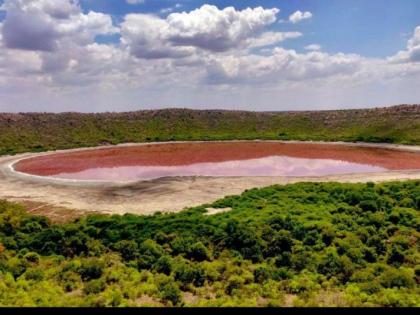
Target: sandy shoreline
[163,194]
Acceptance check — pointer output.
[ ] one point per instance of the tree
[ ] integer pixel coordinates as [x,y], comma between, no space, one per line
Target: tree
[150,252]
[279,243]
[128,249]
[331,264]
[186,274]
[170,292]
[94,286]
[234,283]
[164,265]
[91,268]
[261,274]
[368,205]
[198,252]
[402,277]
[243,239]
[396,256]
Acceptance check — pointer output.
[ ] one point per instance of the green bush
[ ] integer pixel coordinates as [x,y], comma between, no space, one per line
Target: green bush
[190,274]
[94,286]
[234,283]
[198,252]
[170,292]
[261,275]
[164,265]
[313,240]
[129,249]
[91,268]
[32,257]
[402,277]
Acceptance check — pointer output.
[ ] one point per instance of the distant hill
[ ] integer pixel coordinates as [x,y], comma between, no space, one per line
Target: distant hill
[45,131]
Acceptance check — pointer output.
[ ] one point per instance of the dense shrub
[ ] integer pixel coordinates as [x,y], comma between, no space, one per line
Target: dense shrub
[94,286]
[198,252]
[170,292]
[91,268]
[322,243]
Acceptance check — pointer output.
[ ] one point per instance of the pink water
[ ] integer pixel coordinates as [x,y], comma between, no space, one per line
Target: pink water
[264,166]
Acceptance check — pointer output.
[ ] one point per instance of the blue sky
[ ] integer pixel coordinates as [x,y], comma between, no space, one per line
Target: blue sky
[374,28]
[97,55]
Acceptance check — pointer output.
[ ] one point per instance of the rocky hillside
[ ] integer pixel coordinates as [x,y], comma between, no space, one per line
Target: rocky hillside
[45,131]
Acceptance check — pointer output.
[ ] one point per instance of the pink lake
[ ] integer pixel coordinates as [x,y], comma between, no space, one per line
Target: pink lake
[265,166]
[248,158]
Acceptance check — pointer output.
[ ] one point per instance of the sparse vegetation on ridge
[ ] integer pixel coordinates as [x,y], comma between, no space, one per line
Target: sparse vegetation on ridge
[41,131]
[305,244]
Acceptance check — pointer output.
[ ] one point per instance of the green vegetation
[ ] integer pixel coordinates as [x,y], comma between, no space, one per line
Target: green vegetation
[40,132]
[304,244]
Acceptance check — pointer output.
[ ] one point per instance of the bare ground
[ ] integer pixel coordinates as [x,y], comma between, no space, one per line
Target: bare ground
[64,200]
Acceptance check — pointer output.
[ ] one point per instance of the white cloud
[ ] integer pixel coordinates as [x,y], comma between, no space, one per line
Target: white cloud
[412,52]
[206,28]
[41,25]
[146,37]
[299,16]
[55,8]
[313,47]
[218,30]
[281,65]
[51,42]
[134,2]
[271,38]
[49,60]
[171,9]
[87,26]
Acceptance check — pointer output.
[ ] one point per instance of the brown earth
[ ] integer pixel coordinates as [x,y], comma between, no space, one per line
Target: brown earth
[56,214]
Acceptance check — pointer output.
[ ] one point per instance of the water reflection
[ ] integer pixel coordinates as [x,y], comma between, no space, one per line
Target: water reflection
[266,166]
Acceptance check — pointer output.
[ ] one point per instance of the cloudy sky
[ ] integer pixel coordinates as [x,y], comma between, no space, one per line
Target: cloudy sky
[119,55]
